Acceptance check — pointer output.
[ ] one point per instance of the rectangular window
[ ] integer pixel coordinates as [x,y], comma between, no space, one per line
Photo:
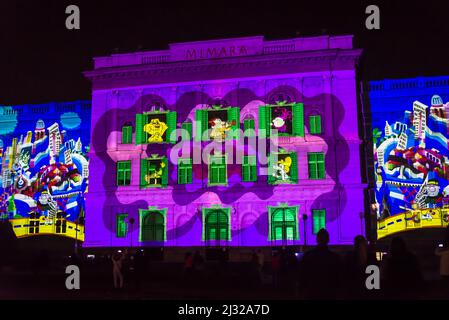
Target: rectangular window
[285,119]
[121,226]
[317,168]
[153,172]
[186,131]
[283,168]
[318,220]
[249,169]
[248,128]
[156,127]
[184,170]
[218,170]
[127,134]
[123,173]
[217,124]
[315,124]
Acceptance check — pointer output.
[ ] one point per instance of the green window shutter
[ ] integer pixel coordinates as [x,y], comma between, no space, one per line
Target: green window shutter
[298,119]
[264,121]
[249,169]
[171,124]
[234,115]
[184,171]
[317,168]
[319,220]
[119,174]
[294,167]
[321,166]
[143,172]
[123,173]
[216,224]
[121,226]
[127,134]
[201,124]
[217,170]
[248,127]
[311,160]
[140,134]
[271,162]
[186,131]
[315,124]
[165,172]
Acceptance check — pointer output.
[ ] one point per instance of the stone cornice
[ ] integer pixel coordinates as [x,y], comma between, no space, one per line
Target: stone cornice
[196,70]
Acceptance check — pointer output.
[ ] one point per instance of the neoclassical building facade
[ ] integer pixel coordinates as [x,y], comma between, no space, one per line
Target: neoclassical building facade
[235,142]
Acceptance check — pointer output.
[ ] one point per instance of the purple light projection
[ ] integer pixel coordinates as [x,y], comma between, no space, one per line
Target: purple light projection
[330,94]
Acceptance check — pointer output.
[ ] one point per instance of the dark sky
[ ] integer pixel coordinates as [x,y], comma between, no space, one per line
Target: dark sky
[42,61]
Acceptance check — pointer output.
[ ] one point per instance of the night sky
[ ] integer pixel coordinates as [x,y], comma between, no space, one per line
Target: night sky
[42,61]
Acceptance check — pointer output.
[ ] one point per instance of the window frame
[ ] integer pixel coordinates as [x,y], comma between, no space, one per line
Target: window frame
[321,218]
[142,215]
[122,171]
[218,226]
[248,165]
[225,165]
[270,168]
[314,165]
[298,124]
[117,223]
[284,223]
[183,166]
[142,119]
[125,133]
[313,128]
[164,176]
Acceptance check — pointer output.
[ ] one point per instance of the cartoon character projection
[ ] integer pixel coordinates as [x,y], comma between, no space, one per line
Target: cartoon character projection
[48,206]
[155,172]
[282,119]
[219,128]
[433,193]
[156,129]
[282,168]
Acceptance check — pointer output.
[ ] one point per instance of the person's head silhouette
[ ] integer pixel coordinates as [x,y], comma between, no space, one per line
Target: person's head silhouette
[322,237]
[398,247]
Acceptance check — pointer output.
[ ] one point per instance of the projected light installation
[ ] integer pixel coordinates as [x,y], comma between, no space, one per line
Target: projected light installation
[411,163]
[44,168]
[232,151]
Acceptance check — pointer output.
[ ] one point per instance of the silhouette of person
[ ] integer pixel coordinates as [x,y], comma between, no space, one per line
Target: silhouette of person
[356,262]
[320,270]
[403,278]
[117,265]
[276,267]
[443,253]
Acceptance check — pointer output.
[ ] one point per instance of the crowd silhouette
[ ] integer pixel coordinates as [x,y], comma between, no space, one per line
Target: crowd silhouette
[316,273]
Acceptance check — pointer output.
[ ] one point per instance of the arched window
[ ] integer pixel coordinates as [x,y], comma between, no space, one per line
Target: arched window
[216,225]
[153,226]
[284,225]
[281,96]
[127,133]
